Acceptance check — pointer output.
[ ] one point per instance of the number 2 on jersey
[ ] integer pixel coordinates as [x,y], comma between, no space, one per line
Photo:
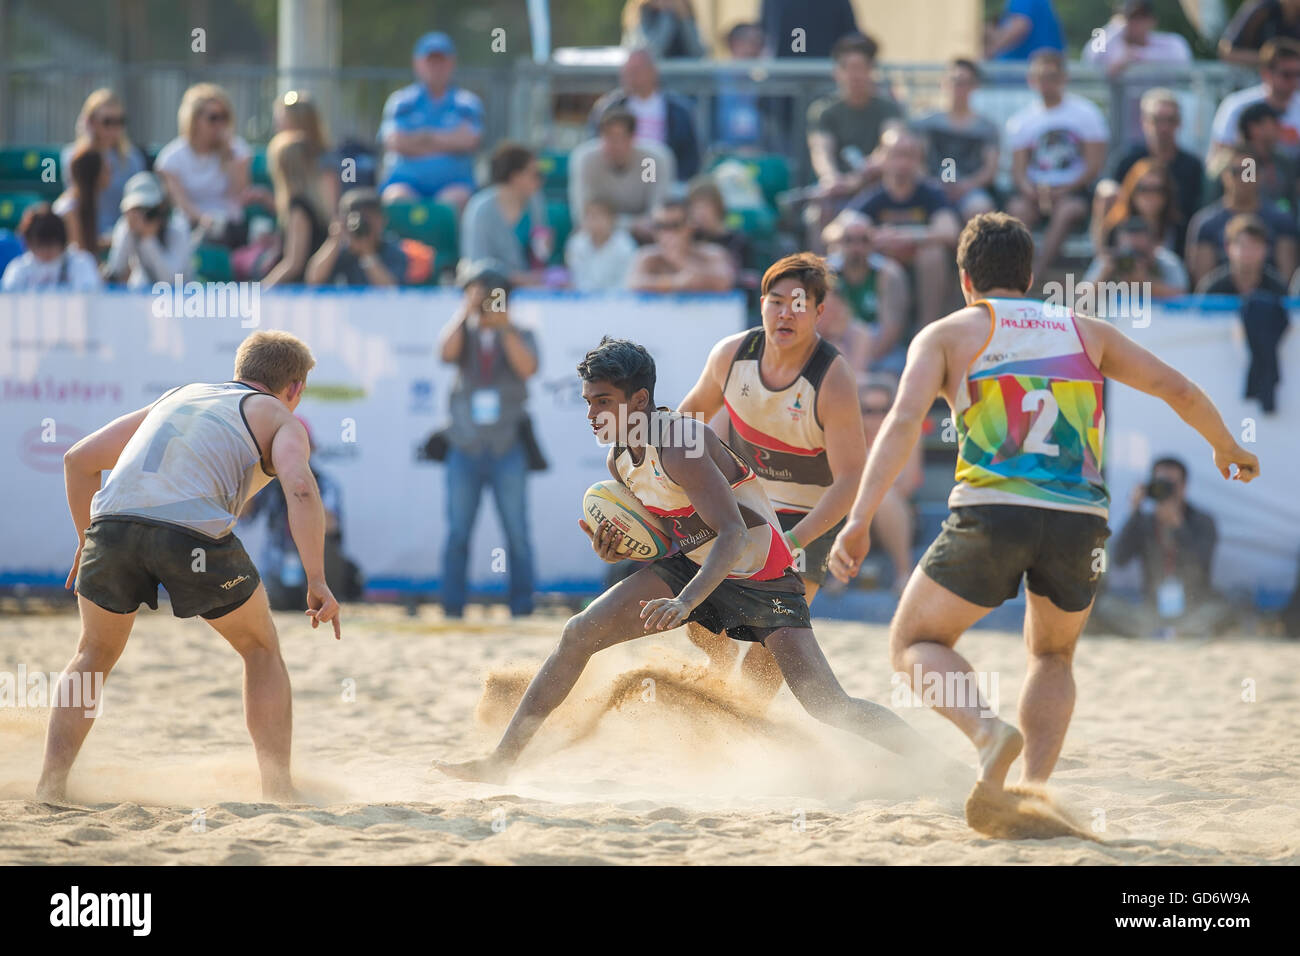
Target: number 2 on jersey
[1042,401]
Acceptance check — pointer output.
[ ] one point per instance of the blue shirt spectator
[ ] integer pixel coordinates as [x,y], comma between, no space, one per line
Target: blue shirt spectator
[431,129]
[1025,27]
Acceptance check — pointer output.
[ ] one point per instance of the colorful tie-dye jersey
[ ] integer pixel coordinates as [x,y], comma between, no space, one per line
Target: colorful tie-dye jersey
[1029,416]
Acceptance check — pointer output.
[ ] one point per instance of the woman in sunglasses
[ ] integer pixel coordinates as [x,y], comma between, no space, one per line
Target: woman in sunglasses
[206,167]
[102,126]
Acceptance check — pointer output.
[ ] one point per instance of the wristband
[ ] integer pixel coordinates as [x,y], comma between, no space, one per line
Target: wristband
[791,539]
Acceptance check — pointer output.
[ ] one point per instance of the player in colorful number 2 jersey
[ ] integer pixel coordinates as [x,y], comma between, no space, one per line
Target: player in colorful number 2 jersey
[792,413]
[1024,379]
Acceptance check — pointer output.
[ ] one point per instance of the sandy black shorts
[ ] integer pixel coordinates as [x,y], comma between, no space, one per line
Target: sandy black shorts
[742,609]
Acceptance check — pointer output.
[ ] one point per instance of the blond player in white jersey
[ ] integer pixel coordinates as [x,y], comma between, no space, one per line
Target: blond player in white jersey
[792,409]
[730,570]
[180,471]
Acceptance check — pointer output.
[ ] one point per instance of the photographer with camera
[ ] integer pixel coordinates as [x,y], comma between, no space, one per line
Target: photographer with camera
[151,240]
[1137,256]
[357,252]
[1175,543]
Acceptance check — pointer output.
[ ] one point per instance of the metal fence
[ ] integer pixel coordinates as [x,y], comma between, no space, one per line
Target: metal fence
[545,104]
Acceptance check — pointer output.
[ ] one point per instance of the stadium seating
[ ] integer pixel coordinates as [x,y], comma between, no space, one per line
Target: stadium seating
[429,222]
[258,173]
[555,174]
[211,263]
[12,206]
[770,170]
[21,169]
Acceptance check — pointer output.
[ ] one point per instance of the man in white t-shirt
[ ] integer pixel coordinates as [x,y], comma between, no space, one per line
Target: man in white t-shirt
[1131,37]
[1279,72]
[1058,147]
[49,262]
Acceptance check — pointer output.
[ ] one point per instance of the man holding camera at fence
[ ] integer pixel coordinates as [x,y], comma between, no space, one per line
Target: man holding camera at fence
[1175,543]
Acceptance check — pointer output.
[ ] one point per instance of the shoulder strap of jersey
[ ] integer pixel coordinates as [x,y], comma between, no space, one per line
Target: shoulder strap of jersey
[821,360]
[750,348]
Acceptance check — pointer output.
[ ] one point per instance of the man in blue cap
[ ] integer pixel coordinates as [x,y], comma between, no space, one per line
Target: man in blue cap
[430,130]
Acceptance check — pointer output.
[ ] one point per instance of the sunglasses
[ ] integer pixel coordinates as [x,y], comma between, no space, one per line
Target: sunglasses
[1148,188]
[875,409]
[217,117]
[665,224]
[112,121]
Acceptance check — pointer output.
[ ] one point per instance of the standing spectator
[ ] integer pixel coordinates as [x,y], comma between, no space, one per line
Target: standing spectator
[431,130]
[1161,117]
[1279,73]
[844,129]
[1147,193]
[852,338]
[660,116]
[632,176]
[963,146]
[357,251]
[79,203]
[1134,256]
[206,167]
[675,262]
[494,358]
[737,110]
[1131,37]
[599,254]
[1206,241]
[1025,27]
[1255,23]
[1058,146]
[707,212]
[873,286]
[664,27]
[1246,271]
[1261,130]
[151,241]
[49,262]
[300,209]
[296,111]
[102,124]
[487,234]
[911,221]
[893,523]
[819,26]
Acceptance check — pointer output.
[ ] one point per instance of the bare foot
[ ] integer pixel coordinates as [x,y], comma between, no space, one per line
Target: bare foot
[485,769]
[997,752]
[51,792]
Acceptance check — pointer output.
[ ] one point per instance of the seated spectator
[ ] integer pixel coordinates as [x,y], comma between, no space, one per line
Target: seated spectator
[911,221]
[1058,147]
[838,326]
[1025,27]
[632,176]
[822,25]
[102,124]
[1134,256]
[300,209]
[599,254]
[1246,270]
[296,111]
[1260,129]
[357,251]
[963,146]
[873,286]
[675,262]
[1279,74]
[1206,245]
[661,117]
[1175,543]
[49,262]
[666,28]
[206,167]
[1254,24]
[844,128]
[151,241]
[79,203]
[707,213]
[737,110]
[1161,117]
[1148,194]
[487,234]
[892,527]
[1131,37]
[431,130]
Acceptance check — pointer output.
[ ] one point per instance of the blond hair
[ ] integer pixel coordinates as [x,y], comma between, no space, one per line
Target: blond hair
[292,162]
[193,99]
[300,113]
[274,359]
[96,101]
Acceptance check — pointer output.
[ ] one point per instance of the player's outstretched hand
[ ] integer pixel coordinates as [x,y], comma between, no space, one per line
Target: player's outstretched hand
[605,541]
[1247,464]
[663,614]
[850,547]
[321,606]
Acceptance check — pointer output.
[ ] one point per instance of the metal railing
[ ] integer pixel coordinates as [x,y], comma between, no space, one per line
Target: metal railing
[545,104]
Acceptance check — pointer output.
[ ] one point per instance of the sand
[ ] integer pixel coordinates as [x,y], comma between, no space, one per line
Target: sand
[1165,763]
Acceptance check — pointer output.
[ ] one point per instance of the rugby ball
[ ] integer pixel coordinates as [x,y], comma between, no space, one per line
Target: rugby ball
[644,535]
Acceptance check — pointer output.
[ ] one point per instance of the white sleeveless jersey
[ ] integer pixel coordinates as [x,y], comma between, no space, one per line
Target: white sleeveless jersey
[766,556]
[193,462]
[777,432]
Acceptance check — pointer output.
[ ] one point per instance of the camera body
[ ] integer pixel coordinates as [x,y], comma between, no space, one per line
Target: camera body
[357,225]
[1160,489]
